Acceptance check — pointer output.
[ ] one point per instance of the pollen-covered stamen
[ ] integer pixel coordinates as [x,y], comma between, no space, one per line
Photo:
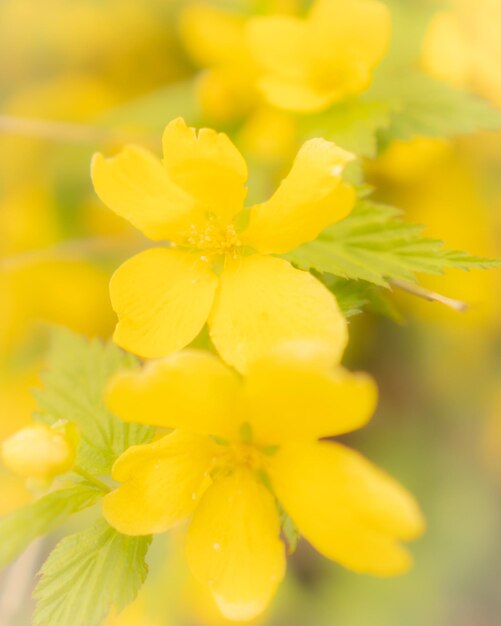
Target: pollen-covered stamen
[237,455]
[243,453]
[213,239]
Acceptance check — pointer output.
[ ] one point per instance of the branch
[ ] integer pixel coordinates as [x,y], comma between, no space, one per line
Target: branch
[76,249]
[67,132]
[431,296]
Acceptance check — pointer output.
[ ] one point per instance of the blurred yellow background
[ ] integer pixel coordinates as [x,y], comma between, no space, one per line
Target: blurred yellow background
[78,76]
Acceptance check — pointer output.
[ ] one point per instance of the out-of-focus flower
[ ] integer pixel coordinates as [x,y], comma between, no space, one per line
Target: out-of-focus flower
[129,39]
[13,493]
[136,614]
[232,457]
[296,63]
[69,292]
[436,187]
[215,40]
[220,269]
[463,46]
[309,64]
[39,451]
[269,135]
[491,439]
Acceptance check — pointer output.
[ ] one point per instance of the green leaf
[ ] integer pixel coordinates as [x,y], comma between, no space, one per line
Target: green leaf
[410,22]
[20,528]
[420,105]
[351,125]
[354,296]
[289,530]
[73,388]
[153,111]
[374,244]
[87,574]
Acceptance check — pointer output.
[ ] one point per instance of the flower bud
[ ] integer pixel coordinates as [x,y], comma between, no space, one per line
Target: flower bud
[39,451]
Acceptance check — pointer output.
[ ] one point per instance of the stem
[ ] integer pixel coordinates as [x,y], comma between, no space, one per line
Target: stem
[74,249]
[91,479]
[66,132]
[54,130]
[431,296]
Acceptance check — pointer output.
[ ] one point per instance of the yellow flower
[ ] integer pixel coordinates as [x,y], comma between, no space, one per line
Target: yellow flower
[309,64]
[241,446]
[462,46]
[39,451]
[214,39]
[220,269]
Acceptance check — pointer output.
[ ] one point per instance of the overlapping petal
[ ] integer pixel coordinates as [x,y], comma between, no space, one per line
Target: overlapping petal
[348,32]
[192,390]
[348,509]
[312,197]
[136,186]
[292,395]
[162,483]
[207,166]
[162,298]
[310,63]
[278,44]
[295,95]
[211,35]
[233,545]
[263,301]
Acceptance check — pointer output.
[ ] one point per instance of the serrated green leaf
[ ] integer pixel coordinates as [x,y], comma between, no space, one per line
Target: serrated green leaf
[87,574]
[373,244]
[420,105]
[352,125]
[351,295]
[154,110]
[77,374]
[354,296]
[20,528]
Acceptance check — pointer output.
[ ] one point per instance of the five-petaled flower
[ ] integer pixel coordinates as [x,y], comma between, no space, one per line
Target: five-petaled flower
[220,269]
[240,447]
[310,63]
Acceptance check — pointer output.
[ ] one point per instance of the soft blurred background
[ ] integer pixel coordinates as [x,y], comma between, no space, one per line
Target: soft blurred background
[78,76]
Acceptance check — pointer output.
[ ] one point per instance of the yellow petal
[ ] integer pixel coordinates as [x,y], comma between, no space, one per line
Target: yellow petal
[310,63]
[446,53]
[295,95]
[348,509]
[136,186]
[38,451]
[233,545]
[293,396]
[192,390]
[207,166]
[346,33]
[309,199]
[162,298]
[211,35]
[162,483]
[277,43]
[263,301]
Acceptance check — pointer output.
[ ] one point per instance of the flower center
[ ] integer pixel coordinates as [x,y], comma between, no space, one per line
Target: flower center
[238,455]
[214,240]
[243,453]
